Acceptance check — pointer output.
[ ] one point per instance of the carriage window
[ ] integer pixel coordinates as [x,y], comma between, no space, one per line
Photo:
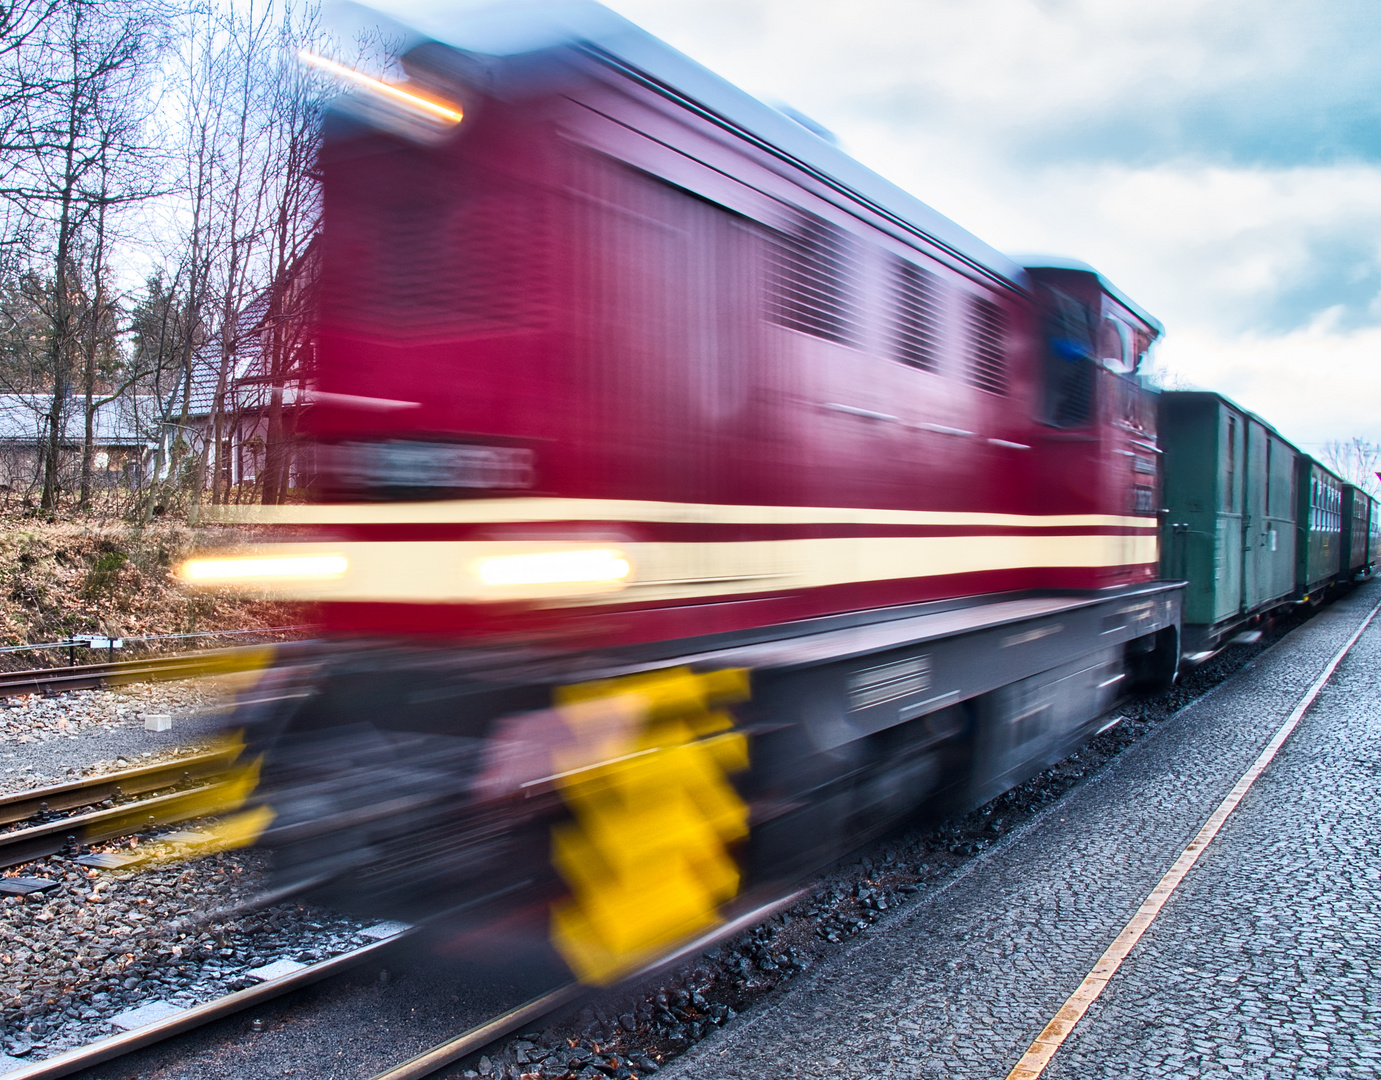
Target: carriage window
[811,281]
[1069,369]
[915,316]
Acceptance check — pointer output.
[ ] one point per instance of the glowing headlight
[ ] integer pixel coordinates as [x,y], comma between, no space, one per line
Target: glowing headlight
[248,569]
[600,566]
[408,98]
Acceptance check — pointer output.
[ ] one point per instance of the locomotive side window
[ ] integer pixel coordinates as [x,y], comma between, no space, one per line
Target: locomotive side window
[1116,350]
[811,280]
[987,327]
[915,318]
[1069,369]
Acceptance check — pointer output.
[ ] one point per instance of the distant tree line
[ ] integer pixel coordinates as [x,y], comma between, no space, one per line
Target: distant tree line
[1357,461]
[158,203]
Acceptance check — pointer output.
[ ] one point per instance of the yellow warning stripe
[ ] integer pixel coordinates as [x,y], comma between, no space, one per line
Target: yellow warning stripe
[444,571]
[506,511]
[1038,1056]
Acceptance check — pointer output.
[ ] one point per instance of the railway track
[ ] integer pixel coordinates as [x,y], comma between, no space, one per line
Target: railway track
[123,802]
[415,1068]
[114,1046]
[118,672]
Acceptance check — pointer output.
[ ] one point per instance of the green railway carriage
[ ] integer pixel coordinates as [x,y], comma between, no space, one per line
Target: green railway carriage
[1359,513]
[1374,533]
[1230,503]
[1319,543]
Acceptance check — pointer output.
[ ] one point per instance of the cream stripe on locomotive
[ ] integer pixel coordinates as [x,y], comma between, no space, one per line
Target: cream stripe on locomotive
[431,572]
[506,511]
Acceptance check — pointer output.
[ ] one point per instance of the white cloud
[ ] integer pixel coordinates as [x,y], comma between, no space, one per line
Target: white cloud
[1014,64]
[1316,384]
[1202,243]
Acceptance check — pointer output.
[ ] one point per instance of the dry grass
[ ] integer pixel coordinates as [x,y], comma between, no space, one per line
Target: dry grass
[108,577]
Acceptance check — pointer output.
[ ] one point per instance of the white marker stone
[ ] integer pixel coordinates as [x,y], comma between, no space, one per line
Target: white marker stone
[186,836]
[145,1014]
[276,970]
[157,722]
[382,930]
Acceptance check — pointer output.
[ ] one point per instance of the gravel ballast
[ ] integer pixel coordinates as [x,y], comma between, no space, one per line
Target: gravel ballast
[47,740]
[96,944]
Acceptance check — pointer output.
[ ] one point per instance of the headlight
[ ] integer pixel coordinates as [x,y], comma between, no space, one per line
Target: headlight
[249,569]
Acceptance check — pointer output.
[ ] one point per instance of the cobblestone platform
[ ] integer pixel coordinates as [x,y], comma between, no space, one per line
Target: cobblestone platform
[1259,966]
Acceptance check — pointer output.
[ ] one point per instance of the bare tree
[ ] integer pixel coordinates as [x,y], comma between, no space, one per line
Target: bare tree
[245,173]
[216,342]
[295,222]
[98,330]
[1357,461]
[91,59]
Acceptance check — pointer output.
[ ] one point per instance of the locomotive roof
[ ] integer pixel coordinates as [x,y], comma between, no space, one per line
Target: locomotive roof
[514,33]
[1059,262]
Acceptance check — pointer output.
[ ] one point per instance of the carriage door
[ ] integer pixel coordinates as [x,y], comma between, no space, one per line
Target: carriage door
[1230,539]
[1256,554]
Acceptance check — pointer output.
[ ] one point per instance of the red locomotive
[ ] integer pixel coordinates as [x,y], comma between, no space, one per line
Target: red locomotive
[652,428]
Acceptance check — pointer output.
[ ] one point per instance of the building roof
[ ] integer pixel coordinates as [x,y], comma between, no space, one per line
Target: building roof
[129,420]
[247,385]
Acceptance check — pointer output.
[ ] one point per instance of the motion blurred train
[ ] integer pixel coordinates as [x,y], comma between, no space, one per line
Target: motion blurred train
[694,504]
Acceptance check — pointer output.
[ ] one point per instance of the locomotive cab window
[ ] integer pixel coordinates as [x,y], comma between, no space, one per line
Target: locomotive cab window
[1116,350]
[1070,372]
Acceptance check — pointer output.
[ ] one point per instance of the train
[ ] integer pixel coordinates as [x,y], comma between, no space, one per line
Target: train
[693,504]
[1251,522]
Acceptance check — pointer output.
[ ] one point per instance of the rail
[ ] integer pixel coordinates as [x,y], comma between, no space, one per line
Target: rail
[196,778]
[116,672]
[103,642]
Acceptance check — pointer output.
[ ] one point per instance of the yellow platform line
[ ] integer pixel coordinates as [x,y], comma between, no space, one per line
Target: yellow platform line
[1040,1053]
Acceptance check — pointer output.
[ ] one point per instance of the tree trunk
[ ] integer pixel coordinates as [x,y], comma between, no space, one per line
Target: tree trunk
[95,322]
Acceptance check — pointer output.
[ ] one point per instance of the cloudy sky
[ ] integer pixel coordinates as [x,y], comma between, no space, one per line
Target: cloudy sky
[1220,160]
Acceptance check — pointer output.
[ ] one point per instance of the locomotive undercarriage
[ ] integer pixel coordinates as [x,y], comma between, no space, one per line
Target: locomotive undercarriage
[422,784]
